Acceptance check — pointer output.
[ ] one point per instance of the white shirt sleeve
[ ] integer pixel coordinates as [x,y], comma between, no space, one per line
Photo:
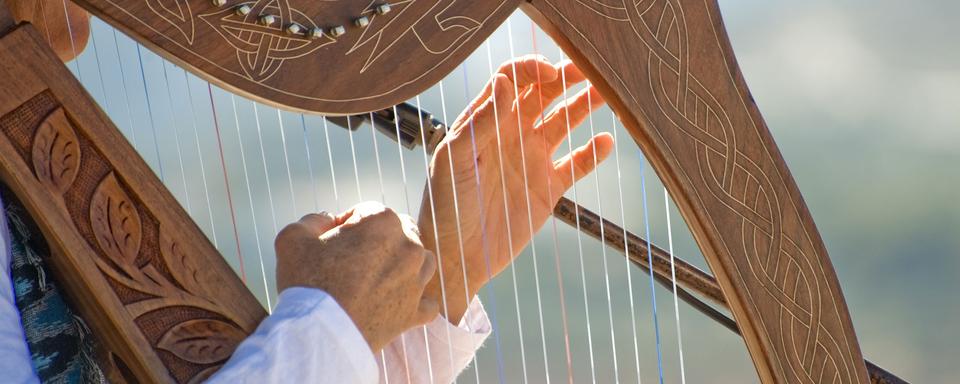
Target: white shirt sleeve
[437,352]
[15,363]
[309,338]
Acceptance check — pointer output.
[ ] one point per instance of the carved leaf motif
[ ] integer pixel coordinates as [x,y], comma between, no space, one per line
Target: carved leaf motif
[202,341]
[116,222]
[56,152]
[182,264]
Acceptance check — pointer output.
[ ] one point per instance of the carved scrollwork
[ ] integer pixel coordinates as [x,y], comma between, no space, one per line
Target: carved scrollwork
[56,152]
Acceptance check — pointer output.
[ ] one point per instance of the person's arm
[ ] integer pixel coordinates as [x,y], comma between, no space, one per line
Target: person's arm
[15,362]
[437,352]
[309,338]
[350,285]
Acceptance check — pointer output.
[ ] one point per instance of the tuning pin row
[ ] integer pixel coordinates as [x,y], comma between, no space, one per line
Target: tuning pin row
[297,29]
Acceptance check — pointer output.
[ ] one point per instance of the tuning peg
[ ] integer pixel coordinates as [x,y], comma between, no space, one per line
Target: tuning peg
[243,10]
[267,19]
[315,33]
[362,21]
[294,29]
[383,9]
[219,3]
[338,31]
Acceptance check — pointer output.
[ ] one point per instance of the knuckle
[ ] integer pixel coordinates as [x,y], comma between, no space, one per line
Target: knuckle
[289,233]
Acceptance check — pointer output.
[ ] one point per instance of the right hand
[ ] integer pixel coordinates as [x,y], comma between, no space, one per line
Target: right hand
[370,260]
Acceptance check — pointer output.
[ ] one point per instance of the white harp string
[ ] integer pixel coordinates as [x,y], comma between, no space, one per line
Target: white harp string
[456,211]
[603,242]
[506,209]
[526,190]
[626,250]
[673,278]
[556,238]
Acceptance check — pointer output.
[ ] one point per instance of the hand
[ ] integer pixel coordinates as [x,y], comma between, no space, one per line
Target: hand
[370,260]
[65,25]
[513,101]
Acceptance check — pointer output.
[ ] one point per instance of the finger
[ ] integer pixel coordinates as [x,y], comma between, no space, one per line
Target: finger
[583,160]
[428,310]
[362,210]
[429,267]
[538,97]
[410,228]
[487,118]
[319,223]
[565,117]
[529,69]
[521,72]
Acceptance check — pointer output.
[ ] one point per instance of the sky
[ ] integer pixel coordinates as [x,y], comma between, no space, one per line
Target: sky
[861,96]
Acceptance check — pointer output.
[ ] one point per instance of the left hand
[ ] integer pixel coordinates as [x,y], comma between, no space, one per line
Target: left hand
[514,102]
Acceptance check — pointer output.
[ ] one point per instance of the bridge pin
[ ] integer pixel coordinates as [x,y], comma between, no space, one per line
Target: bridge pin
[267,19]
[362,21]
[338,31]
[294,29]
[315,33]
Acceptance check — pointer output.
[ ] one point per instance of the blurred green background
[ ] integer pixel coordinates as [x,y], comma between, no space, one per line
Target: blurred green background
[862,97]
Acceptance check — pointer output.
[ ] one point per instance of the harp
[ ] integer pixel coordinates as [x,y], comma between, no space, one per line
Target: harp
[169,308]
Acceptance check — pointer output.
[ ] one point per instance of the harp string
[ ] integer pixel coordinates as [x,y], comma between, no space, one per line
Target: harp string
[556,237]
[146,95]
[603,243]
[203,173]
[309,155]
[456,209]
[253,211]
[383,199]
[626,248]
[433,216]
[484,239]
[176,134]
[526,188]
[506,208]
[653,287]
[333,172]
[576,199]
[406,199]
[673,278]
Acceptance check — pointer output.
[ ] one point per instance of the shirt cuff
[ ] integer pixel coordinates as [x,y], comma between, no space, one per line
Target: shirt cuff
[307,303]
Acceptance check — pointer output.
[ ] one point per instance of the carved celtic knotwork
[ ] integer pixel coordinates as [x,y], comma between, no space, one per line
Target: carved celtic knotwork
[262,49]
[56,152]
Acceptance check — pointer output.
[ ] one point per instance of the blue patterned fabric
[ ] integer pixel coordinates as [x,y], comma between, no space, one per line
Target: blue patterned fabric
[60,343]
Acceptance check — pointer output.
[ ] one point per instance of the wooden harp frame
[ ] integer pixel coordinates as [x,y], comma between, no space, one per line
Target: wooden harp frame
[155,289]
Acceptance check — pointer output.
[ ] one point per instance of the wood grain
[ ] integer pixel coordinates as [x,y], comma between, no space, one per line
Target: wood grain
[144,277]
[386,63]
[674,82]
